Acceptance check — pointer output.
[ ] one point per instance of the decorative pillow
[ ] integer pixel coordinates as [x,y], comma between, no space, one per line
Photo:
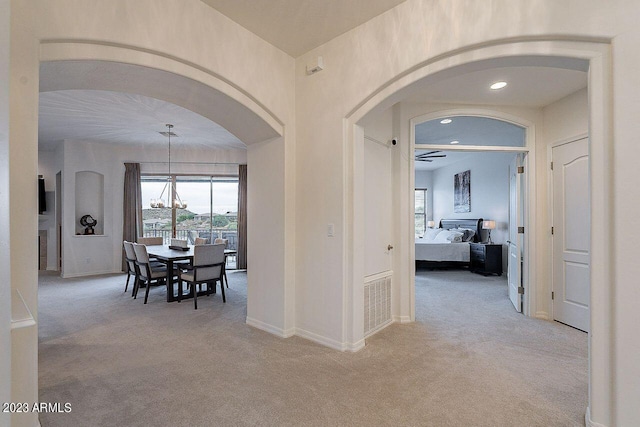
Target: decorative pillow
[448,236]
[468,234]
[431,233]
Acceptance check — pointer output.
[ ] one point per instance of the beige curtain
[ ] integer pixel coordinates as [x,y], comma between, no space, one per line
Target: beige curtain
[241,259]
[132,218]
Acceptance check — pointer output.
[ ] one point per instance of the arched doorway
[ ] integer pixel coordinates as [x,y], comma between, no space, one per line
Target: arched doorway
[555,54]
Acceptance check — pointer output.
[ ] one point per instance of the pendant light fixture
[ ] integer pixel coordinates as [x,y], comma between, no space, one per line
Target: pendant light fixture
[173,198]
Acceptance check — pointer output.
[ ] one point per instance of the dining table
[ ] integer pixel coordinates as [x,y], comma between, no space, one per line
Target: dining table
[170,257]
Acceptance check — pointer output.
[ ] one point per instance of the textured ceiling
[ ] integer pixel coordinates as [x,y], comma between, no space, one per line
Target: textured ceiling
[527,87]
[124,119]
[71,108]
[297,26]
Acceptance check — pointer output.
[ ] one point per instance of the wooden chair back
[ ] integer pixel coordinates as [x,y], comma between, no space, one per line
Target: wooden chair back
[219,241]
[150,241]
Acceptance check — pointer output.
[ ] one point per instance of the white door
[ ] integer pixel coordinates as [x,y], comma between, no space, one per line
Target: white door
[516,220]
[377,207]
[571,235]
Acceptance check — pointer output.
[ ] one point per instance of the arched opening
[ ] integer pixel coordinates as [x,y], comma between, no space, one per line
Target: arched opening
[585,56]
[257,141]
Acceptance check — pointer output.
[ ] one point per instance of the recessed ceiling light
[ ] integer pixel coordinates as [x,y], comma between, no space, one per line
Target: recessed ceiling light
[446,121]
[498,85]
[454,142]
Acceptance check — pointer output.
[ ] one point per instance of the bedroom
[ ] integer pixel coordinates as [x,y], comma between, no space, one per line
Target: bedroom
[489,200]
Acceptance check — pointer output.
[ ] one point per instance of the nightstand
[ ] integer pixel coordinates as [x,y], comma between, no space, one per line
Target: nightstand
[486,258]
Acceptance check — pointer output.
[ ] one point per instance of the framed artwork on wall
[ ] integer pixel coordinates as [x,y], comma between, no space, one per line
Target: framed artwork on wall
[462,192]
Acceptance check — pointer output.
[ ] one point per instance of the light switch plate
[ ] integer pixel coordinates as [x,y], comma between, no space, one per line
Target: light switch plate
[330,230]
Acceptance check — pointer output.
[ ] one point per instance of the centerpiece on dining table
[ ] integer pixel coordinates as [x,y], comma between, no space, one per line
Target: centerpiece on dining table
[179,244]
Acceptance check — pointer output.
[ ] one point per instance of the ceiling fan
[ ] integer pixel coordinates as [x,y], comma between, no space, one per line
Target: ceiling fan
[428,157]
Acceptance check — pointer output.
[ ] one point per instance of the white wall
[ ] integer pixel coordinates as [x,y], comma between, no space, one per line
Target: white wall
[489,193]
[626,198]
[265,177]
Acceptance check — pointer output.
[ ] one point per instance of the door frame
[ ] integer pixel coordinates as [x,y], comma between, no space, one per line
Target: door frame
[550,148]
[529,307]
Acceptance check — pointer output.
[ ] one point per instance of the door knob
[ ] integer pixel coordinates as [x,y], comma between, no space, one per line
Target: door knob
[389,247]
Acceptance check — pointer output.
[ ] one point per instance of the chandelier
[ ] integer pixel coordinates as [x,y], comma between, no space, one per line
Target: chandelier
[173,198]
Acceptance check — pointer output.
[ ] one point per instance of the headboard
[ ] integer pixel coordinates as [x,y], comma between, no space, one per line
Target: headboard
[474,224]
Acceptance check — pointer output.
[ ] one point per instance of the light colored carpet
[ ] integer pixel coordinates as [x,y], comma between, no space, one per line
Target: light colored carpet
[470,359]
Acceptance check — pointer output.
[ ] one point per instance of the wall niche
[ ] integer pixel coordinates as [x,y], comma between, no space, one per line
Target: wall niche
[90,200]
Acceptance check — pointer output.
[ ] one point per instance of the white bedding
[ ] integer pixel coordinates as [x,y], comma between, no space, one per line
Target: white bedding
[430,251]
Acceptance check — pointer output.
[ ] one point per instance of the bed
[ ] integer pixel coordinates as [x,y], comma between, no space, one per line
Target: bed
[440,251]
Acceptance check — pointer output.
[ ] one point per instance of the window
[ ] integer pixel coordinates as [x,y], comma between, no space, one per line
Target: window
[421,210]
[212,208]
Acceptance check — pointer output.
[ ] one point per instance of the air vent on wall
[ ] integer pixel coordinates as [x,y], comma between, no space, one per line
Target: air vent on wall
[377,304]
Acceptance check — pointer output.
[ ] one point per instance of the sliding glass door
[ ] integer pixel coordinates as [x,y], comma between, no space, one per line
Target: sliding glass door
[211,212]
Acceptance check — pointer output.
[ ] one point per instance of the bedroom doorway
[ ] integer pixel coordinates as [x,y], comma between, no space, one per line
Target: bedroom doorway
[492,152]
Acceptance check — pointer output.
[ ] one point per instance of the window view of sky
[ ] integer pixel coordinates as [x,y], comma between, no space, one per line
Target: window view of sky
[196,195]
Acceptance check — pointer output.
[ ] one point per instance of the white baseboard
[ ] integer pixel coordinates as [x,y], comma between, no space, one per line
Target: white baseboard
[282,333]
[91,273]
[542,315]
[588,422]
[401,319]
[329,342]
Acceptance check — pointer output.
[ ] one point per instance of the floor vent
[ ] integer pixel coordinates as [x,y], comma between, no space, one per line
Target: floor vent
[377,303]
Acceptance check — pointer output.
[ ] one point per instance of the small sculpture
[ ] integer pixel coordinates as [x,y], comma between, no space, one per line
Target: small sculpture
[88,223]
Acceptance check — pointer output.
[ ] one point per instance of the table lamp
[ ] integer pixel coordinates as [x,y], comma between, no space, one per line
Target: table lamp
[431,224]
[489,225]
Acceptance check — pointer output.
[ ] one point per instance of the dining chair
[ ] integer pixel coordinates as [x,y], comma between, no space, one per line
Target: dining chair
[148,272]
[219,241]
[132,268]
[150,241]
[207,268]
[200,241]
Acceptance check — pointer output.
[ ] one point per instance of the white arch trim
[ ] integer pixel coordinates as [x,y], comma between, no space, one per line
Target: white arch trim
[473,112]
[225,103]
[597,53]
[530,223]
